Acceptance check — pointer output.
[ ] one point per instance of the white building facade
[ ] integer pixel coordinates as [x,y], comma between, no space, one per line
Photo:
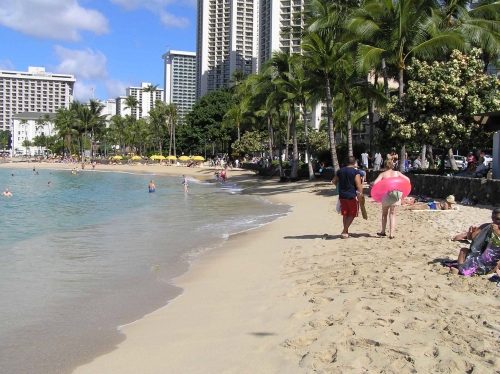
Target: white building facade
[33,91]
[145,100]
[109,109]
[180,80]
[27,126]
[227,40]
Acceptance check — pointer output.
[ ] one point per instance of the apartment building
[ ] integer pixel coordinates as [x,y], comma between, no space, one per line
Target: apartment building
[180,80]
[108,110]
[227,40]
[145,100]
[28,126]
[33,91]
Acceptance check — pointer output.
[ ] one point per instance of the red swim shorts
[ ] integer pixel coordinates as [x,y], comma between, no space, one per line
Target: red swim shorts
[349,207]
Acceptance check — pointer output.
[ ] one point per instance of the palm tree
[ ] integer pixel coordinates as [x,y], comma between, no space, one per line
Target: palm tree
[118,125]
[320,54]
[65,126]
[172,118]
[158,121]
[396,31]
[151,89]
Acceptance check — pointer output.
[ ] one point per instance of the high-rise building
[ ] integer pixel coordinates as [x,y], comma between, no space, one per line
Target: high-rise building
[180,80]
[145,100]
[280,25]
[32,91]
[227,40]
[108,110]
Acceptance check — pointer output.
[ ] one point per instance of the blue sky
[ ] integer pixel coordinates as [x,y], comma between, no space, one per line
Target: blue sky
[106,44]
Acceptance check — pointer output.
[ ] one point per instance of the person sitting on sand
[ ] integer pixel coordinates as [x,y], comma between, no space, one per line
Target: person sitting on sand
[470,234]
[483,255]
[436,205]
[6,193]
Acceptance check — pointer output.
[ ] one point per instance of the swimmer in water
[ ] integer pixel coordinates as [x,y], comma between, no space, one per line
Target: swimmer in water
[185,183]
[152,187]
[6,193]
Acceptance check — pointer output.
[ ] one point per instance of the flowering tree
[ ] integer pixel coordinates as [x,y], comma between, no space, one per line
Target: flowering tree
[441,100]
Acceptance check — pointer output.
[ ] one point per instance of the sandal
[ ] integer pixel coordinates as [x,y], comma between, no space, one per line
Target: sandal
[391,237]
[381,234]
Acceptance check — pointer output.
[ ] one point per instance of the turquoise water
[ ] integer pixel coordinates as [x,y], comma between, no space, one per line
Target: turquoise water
[94,251]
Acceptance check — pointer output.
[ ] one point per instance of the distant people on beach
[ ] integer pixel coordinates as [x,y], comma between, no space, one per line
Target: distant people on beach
[447,204]
[350,188]
[185,183]
[391,199]
[6,193]
[223,175]
[483,255]
[152,187]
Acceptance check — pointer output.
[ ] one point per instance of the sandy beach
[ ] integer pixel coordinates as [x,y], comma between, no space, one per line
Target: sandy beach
[292,297]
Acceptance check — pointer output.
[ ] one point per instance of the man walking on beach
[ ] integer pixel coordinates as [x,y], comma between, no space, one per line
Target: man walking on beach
[349,188]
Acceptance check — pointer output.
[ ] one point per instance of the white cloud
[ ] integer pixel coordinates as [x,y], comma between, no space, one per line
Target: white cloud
[83,64]
[6,65]
[52,19]
[158,7]
[82,91]
[169,20]
[116,87]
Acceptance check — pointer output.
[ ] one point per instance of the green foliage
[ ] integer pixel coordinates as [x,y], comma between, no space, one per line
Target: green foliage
[250,142]
[206,120]
[5,139]
[441,100]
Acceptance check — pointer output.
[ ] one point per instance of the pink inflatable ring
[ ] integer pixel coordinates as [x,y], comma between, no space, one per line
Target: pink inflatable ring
[380,189]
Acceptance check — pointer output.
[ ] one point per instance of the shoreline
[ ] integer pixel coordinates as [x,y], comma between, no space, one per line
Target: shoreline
[292,297]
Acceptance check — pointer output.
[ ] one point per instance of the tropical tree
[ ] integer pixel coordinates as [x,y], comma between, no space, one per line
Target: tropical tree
[443,97]
[395,31]
[151,89]
[320,54]
[65,126]
[27,144]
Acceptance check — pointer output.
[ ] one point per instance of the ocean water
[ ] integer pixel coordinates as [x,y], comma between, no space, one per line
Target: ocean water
[95,251]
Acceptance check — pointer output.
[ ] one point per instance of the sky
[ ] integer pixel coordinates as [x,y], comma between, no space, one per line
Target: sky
[108,45]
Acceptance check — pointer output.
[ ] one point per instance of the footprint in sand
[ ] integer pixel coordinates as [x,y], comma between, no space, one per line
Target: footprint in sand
[320,300]
[304,314]
[319,323]
[297,343]
[316,360]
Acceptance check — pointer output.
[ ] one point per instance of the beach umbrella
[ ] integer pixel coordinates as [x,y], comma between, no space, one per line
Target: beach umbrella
[198,158]
[171,157]
[136,158]
[157,157]
[117,157]
[184,158]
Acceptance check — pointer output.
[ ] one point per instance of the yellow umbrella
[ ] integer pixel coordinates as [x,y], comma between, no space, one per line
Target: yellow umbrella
[184,158]
[136,158]
[117,157]
[171,157]
[157,157]
[198,158]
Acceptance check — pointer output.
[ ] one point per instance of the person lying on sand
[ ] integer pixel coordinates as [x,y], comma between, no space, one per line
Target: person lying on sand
[436,205]
[483,255]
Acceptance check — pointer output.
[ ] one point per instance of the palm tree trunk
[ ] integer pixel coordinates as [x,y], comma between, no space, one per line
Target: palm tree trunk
[386,79]
[423,156]
[432,165]
[331,133]
[289,120]
[239,132]
[173,128]
[308,153]
[349,126]
[280,159]
[270,131]
[400,98]
[453,164]
[371,110]
[295,166]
